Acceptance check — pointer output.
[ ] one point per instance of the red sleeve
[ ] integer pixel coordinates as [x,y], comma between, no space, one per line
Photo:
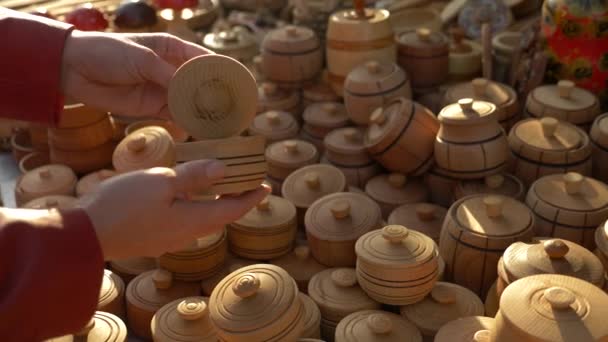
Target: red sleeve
[30,66]
[50,275]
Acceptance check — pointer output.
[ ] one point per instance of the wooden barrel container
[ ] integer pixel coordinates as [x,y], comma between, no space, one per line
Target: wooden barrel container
[312,318]
[401,137]
[271,97]
[395,189]
[601,241]
[320,91]
[90,183]
[372,85]
[145,148]
[424,55]
[500,184]
[103,326]
[34,160]
[599,144]
[470,143]
[504,45]
[178,134]
[112,295]
[441,187]
[235,42]
[183,320]
[466,329]
[53,179]
[464,59]
[426,218]
[476,231]
[323,117]
[60,202]
[83,162]
[130,268]
[82,137]
[569,206]
[284,157]
[300,265]
[376,325]
[275,126]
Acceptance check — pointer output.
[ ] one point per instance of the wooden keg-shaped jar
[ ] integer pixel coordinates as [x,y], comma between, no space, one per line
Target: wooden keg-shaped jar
[424,55]
[80,128]
[551,307]
[53,179]
[465,57]
[149,292]
[441,187]
[569,206]
[470,143]
[466,329]
[34,160]
[90,183]
[395,189]
[183,320]
[112,295]
[178,134]
[319,91]
[354,37]
[548,146]
[265,297]
[323,117]
[311,318]
[396,266]
[274,126]
[426,218]
[145,148]
[500,184]
[372,85]
[376,325]
[300,265]
[235,42]
[83,162]
[285,157]
[291,56]
[335,222]
[563,101]
[130,268]
[446,303]
[271,97]
[103,327]
[61,202]
[476,231]
[401,137]
[601,241]
[599,139]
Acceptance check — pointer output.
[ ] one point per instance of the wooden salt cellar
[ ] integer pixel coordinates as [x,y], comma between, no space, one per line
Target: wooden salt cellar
[477,230]
[34,160]
[103,327]
[426,218]
[312,318]
[145,148]
[376,325]
[466,329]
[601,241]
[271,97]
[300,265]
[182,320]
[284,157]
[569,206]
[112,295]
[130,268]
[335,222]
[500,184]
[265,297]
[599,140]
[464,58]
[372,85]
[424,55]
[53,179]
[235,42]
[90,183]
[231,264]
[395,189]
[274,126]
[178,134]
[320,119]
[61,202]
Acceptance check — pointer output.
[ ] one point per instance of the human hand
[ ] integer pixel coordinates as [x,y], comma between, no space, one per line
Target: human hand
[127,74]
[146,213]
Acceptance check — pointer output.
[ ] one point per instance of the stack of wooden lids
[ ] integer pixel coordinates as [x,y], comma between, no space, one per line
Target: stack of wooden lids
[424,56]
[145,148]
[275,126]
[231,264]
[271,97]
[599,139]
[476,231]
[376,325]
[257,303]
[548,146]
[112,295]
[284,157]
[300,265]
[465,57]
[396,266]
[426,218]
[551,307]
[130,268]
[498,184]
[321,118]
[466,329]
[90,183]
[601,240]
[235,42]
[395,189]
[569,206]
[312,318]
[103,327]
[53,179]
[61,202]
[335,222]
[183,320]
[178,134]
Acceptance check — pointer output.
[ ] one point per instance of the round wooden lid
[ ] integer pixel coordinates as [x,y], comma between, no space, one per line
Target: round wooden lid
[564,96]
[423,42]
[60,202]
[274,124]
[374,77]
[499,184]
[326,114]
[423,217]
[133,266]
[271,212]
[47,179]
[312,314]
[376,325]
[466,329]
[251,298]
[145,148]
[213,96]
[292,153]
[446,303]
[551,307]
[307,184]
[467,111]
[550,256]
[572,191]
[231,39]
[599,130]
[300,264]
[492,215]
[103,327]
[342,216]
[347,140]
[396,188]
[291,39]
[90,182]
[178,134]
[151,290]
[547,134]
[481,89]
[184,319]
[272,97]
[112,286]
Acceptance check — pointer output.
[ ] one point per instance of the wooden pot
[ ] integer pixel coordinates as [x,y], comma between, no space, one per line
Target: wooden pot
[464,58]
[376,325]
[112,295]
[323,117]
[426,218]
[300,265]
[311,318]
[285,157]
[183,320]
[103,326]
[275,126]
[424,55]
[441,187]
[599,139]
[61,202]
[235,42]
[499,184]
[395,189]
[147,147]
[271,97]
[83,137]
[53,179]
[466,329]
[83,162]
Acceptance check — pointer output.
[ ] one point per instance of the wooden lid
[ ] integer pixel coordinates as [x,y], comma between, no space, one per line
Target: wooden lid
[467,111]
[423,217]
[547,134]
[499,184]
[291,39]
[292,153]
[466,329]
[271,212]
[445,303]
[300,264]
[326,114]
[483,90]
[342,216]
[90,182]
[312,314]
[112,286]
[213,96]
[274,124]
[572,191]
[319,92]
[376,325]
[396,188]
[423,42]
[231,39]
[133,266]
[47,179]
[103,327]
[60,202]
[492,215]
[307,184]
[272,97]
[599,130]
[564,95]
[374,77]
[347,140]
[145,148]
[552,307]
[151,290]
[177,133]
[184,319]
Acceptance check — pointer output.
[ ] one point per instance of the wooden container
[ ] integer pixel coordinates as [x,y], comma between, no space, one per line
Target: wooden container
[464,59]
[76,115]
[476,231]
[395,189]
[271,97]
[319,91]
[61,202]
[372,85]
[82,137]
[150,291]
[354,37]
[470,143]
[182,320]
[396,266]
[130,268]
[335,222]
[103,327]
[446,303]
[112,295]
[231,264]
[499,184]
[441,187]
[291,56]
[356,176]
[300,265]
[424,55]
[599,140]
[263,296]
[491,302]
[569,206]
[311,318]
[285,157]
[275,126]
[376,325]
[39,135]
[401,137]
[21,144]
[145,148]
[466,329]
[548,146]
[34,160]
[86,161]
[426,218]
[235,42]
[90,183]
[323,117]
[53,179]
[178,134]
[504,45]
[551,307]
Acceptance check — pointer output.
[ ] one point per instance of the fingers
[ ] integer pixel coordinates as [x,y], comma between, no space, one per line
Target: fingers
[170,48]
[152,67]
[197,176]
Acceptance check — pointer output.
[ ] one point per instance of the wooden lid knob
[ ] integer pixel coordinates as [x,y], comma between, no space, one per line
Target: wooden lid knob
[246,286]
[302,252]
[291,146]
[340,209]
[373,67]
[312,179]
[162,279]
[465,104]
[442,294]
[352,134]
[559,298]
[425,212]
[378,117]
[379,324]
[494,181]
[482,336]
[394,233]
[397,180]
[51,203]
[424,34]
[573,182]
[564,88]
[344,277]
[479,86]
[105,174]
[263,205]
[273,118]
[494,206]
[137,144]
[45,174]
[549,126]
[190,310]
[555,248]
[269,88]
[292,31]
[330,108]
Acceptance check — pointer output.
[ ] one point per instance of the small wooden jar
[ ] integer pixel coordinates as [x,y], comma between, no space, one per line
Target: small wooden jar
[464,59]
[130,268]
[599,140]
[476,232]
[275,126]
[548,146]
[285,157]
[235,42]
[565,102]
[401,137]
[271,97]
[601,241]
[34,160]
[90,183]
[53,179]
[265,297]
[396,266]
[395,189]
[291,56]
[372,85]
[376,325]
[551,307]
[424,55]
[103,327]
[79,138]
[426,218]
[500,184]
[441,187]
[149,292]
[446,303]
[183,320]
[145,148]
[178,134]
[569,206]
[323,117]
[470,143]
[311,318]
[335,222]
[76,115]
[61,202]
[112,295]
[300,265]
[466,329]
[231,264]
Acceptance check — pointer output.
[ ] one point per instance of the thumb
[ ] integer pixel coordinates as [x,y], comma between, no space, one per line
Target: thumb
[197,176]
[153,68]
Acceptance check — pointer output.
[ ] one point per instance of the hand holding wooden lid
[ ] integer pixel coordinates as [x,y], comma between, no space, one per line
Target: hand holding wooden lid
[184,319]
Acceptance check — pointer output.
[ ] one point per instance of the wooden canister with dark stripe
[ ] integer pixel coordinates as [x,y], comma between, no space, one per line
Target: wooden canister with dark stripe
[424,55]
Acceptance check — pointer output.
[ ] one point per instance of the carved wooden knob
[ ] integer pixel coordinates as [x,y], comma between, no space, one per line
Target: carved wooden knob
[344,277]
[482,336]
[549,126]
[312,179]
[494,181]
[292,31]
[564,88]
[480,86]
[263,205]
[573,182]
[291,146]
[137,144]
[425,212]
[466,104]
[191,310]
[442,294]
[246,286]
[273,118]
[373,67]
[424,34]
[395,233]
[330,108]
[397,180]
[87,328]
[45,174]
[378,117]
[162,279]
[302,252]
[352,135]
[340,209]
[494,205]
[559,298]
[379,324]
[555,248]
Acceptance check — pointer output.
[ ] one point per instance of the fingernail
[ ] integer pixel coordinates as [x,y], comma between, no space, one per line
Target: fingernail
[215,170]
[267,188]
